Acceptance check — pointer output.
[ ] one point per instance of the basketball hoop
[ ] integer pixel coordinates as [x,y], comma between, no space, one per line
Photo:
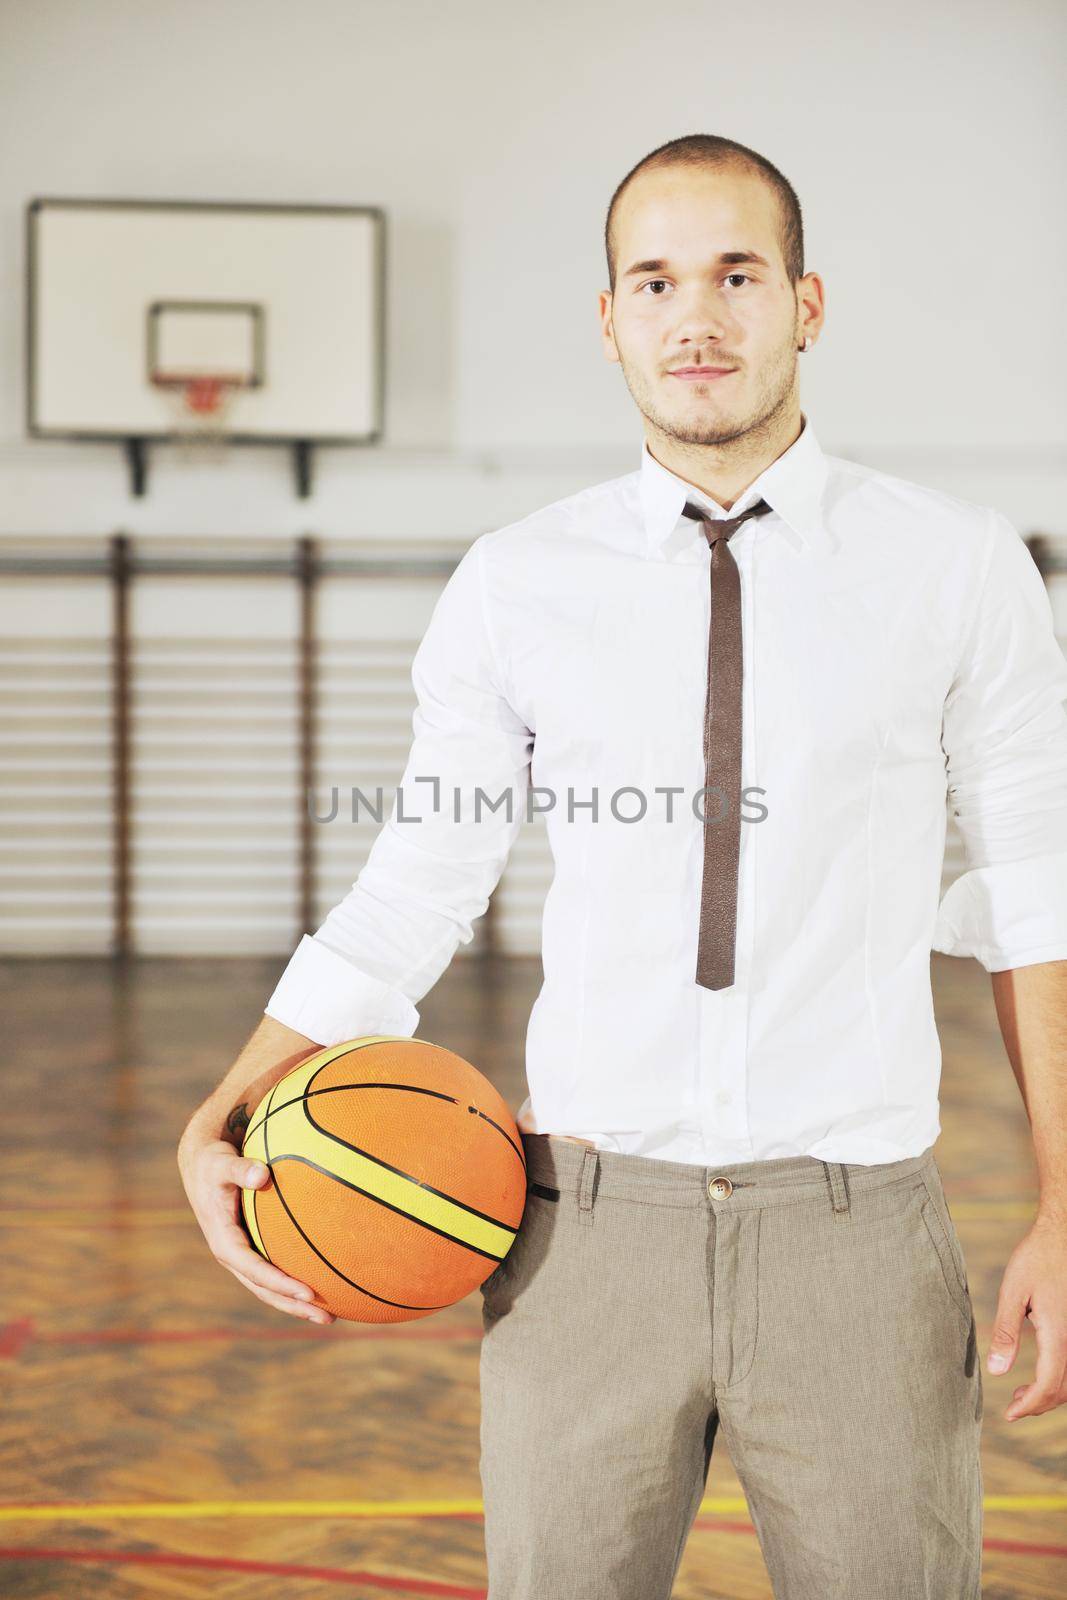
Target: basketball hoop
[206,396]
[199,354]
[201,404]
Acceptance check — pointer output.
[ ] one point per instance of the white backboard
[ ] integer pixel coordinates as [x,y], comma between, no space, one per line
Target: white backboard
[289,297]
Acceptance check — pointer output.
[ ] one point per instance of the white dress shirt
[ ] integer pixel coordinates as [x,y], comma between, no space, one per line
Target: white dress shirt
[898,647]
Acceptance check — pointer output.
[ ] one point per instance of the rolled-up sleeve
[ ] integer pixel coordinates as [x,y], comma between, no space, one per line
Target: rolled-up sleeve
[434,864]
[1005,742]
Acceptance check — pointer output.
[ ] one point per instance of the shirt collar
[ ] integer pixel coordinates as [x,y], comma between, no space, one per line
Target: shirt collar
[792,486]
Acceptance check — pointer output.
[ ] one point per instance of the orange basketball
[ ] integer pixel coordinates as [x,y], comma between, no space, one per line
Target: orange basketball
[398,1177]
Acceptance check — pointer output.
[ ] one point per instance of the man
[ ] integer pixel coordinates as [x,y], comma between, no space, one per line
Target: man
[734,1217]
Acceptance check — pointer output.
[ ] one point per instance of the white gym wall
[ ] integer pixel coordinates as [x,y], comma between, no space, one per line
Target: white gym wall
[925,141]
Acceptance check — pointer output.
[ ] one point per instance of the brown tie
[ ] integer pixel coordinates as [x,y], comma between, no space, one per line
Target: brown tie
[722,753]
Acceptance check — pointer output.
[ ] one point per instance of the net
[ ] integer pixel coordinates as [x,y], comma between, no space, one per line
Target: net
[201,408]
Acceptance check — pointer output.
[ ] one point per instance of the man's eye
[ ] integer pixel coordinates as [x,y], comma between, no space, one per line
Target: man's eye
[652,282]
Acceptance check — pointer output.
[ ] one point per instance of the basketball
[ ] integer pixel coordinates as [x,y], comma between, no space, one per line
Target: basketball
[397,1177]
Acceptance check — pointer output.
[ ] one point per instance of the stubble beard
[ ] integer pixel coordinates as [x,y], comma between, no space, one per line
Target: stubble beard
[774,393]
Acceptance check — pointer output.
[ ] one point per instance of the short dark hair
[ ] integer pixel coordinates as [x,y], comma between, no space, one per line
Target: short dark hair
[711,150]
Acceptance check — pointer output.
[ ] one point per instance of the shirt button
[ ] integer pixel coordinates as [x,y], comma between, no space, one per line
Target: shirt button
[723,1097]
[720,1188]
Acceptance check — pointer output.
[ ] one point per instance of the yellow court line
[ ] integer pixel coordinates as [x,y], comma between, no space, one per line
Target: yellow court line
[245,1508]
[191,1509]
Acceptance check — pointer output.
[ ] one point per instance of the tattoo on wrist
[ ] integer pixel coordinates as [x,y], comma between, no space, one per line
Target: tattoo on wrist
[237,1123]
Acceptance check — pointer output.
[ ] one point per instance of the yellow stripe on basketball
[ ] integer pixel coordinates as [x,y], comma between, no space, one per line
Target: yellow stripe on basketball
[291,1136]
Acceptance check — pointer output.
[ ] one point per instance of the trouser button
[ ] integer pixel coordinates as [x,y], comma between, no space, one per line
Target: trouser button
[720,1188]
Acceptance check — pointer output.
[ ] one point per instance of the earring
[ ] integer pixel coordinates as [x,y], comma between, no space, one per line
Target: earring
[807,342]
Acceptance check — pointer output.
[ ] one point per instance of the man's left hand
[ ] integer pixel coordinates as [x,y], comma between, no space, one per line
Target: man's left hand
[1034,1286]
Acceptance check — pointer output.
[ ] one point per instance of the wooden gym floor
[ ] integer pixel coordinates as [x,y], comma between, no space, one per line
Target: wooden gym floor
[163,1433]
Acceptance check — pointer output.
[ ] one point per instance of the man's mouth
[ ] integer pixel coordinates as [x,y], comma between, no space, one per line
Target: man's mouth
[695,374]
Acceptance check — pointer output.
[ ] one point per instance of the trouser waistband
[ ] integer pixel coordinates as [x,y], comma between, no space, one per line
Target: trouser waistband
[556,1164]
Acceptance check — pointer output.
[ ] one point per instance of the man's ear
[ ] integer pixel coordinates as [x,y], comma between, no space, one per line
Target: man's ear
[607,332]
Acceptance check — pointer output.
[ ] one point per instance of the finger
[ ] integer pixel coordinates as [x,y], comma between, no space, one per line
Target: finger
[282,1302]
[1044,1392]
[241,1172]
[238,1254]
[1007,1326]
[229,1238]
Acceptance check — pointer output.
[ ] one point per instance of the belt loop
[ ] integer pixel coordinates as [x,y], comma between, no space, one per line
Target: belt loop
[587,1184]
[838,1186]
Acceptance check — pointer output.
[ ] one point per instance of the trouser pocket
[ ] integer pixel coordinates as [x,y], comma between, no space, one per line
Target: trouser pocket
[946,1244]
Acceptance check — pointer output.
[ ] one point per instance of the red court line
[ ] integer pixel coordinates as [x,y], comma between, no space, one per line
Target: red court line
[276,1569]
[1013,1547]
[1019,1547]
[15,1337]
[375,1580]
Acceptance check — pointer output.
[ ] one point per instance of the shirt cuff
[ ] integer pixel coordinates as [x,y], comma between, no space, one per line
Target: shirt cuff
[1013,914]
[327,999]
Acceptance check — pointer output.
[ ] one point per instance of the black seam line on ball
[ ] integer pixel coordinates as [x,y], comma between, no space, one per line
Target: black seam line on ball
[381,1299]
[387,1166]
[442,1233]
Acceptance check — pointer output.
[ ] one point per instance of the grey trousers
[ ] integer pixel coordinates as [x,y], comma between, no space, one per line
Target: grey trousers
[818,1312]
